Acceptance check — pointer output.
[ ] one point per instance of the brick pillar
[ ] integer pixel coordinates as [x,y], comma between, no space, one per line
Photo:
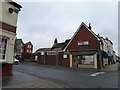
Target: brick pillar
[70,60]
[100,61]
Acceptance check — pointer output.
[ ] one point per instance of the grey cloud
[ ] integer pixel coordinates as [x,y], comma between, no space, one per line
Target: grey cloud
[50,20]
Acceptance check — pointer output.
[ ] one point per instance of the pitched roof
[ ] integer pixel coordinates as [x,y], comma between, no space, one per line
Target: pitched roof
[14,3]
[29,42]
[82,24]
[61,45]
[105,39]
[43,49]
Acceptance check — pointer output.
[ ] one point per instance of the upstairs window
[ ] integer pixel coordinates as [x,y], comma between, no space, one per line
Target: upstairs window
[28,46]
[3,48]
[83,43]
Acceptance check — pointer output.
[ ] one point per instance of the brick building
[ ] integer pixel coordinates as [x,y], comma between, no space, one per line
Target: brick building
[23,50]
[84,50]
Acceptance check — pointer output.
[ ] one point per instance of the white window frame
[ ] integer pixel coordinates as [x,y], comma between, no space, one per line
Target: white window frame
[1,53]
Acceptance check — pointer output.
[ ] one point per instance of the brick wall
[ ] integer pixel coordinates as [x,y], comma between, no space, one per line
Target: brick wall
[85,66]
[6,69]
[52,59]
[64,61]
[83,35]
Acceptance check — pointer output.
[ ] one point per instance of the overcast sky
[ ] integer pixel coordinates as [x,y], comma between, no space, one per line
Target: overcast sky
[42,22]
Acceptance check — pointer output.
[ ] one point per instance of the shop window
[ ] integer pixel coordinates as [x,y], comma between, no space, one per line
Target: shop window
[83,43]
[87,59]
[3,48]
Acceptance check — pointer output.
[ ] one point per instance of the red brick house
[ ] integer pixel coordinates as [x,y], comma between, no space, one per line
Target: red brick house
[28,47]
[25,51]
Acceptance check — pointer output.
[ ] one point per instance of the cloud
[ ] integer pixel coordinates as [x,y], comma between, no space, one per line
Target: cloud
[42,22]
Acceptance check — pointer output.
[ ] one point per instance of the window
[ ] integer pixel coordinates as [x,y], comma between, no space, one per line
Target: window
[30,51]
[27,50]
[64,56]
[28,46]
[87,59]
[83,43]
[42,53]
[21,45]
[3,48]
[51,53]
[21,50]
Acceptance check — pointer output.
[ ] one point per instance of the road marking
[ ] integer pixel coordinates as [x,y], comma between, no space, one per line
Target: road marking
[95,74]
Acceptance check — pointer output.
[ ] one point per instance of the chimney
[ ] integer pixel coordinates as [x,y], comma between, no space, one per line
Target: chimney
[90,27]
[55,41]
[106,38]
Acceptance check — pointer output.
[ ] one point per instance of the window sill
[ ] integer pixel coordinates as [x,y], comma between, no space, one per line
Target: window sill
[2,61]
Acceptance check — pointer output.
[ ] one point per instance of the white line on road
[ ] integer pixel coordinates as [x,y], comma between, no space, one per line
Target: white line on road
[95,74]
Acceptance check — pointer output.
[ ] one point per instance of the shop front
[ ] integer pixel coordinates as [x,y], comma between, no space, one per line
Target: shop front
[84,59]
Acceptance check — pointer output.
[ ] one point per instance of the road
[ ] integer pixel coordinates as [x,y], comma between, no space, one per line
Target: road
[71,77]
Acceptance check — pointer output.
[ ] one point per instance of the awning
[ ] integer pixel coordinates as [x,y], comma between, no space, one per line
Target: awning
[104,54]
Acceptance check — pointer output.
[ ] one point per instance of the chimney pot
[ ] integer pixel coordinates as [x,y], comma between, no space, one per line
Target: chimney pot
[89,26]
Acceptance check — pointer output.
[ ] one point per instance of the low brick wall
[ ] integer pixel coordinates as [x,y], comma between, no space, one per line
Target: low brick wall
[6,69]
[64,61]
[85,66]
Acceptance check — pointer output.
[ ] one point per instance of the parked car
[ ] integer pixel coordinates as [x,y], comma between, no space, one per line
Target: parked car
[16,61]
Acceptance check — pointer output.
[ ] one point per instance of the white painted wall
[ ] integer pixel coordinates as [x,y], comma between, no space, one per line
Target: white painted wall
[10,19]
[7,17]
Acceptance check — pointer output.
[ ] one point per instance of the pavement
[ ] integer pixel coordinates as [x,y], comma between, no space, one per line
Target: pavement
[27,81]
[111,67]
